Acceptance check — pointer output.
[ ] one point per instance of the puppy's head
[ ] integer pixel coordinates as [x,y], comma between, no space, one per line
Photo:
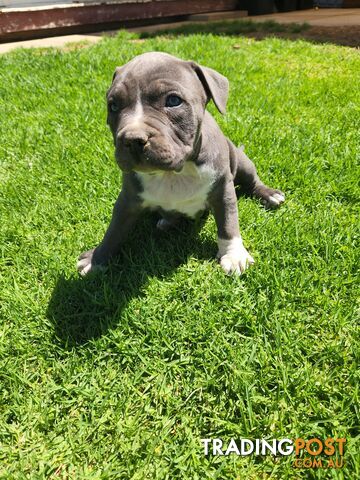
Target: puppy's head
[156,104]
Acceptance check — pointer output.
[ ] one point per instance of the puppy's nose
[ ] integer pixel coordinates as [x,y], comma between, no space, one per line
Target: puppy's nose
[135,140]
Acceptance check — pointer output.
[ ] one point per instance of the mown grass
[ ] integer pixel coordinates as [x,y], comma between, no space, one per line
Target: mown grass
[119,375]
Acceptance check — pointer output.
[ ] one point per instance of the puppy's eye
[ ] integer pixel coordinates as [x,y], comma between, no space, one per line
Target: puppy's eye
[114,107]
[173,101]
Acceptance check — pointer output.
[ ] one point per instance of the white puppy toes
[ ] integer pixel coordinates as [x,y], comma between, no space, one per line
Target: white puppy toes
[236,264]
[234,258]
[280,197]
[85,263]
[164,225]
[276,199]
[84,266]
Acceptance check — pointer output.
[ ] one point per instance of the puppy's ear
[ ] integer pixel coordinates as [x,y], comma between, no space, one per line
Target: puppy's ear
[216,85]
[117,70]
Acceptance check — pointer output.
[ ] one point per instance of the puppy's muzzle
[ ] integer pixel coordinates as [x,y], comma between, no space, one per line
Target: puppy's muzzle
[133,141]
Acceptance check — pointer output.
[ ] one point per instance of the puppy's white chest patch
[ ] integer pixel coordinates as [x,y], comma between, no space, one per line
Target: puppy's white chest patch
[185,192]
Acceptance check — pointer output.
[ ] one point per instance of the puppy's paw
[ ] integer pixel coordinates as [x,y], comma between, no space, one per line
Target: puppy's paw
[168,223]
[87,264]
[164,225]
[233,256]
[84,264]
[269,197]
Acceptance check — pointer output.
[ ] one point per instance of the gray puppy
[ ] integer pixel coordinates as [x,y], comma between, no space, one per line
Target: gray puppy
[174,157]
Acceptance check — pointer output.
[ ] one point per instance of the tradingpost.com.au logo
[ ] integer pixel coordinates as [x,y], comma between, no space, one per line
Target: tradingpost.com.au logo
[311,453]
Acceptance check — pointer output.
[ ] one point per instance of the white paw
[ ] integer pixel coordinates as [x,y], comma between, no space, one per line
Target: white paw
[163,224]
[276,199]
[234,258]
[84,264]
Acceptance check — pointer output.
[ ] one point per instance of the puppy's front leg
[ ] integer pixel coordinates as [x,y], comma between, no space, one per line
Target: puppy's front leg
[233,256]
[125,213]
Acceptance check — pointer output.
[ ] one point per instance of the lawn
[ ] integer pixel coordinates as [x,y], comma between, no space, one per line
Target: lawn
[119,375]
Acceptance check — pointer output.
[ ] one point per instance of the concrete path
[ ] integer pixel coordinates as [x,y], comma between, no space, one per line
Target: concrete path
[58,42]
[326,17]
[321,17]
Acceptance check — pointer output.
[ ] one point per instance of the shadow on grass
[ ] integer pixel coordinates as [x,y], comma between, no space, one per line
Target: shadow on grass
[86,308]
[232,27]
[347,36]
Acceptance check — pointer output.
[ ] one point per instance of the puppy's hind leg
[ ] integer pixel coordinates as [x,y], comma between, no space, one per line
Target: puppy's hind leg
[246,177]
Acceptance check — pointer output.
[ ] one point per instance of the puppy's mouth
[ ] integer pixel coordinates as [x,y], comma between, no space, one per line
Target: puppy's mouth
[145,158]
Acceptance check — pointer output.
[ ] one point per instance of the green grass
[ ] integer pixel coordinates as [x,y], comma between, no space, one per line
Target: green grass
[119,375]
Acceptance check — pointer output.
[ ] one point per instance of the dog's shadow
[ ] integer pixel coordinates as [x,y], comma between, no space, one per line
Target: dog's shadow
[82,309]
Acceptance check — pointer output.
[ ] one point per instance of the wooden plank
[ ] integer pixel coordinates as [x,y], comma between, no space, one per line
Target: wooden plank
[37,20]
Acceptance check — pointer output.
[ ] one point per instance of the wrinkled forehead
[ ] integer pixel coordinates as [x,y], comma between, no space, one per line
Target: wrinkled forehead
[156,74]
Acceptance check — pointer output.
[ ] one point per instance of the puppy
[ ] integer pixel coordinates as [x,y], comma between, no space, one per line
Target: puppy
[174,157]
